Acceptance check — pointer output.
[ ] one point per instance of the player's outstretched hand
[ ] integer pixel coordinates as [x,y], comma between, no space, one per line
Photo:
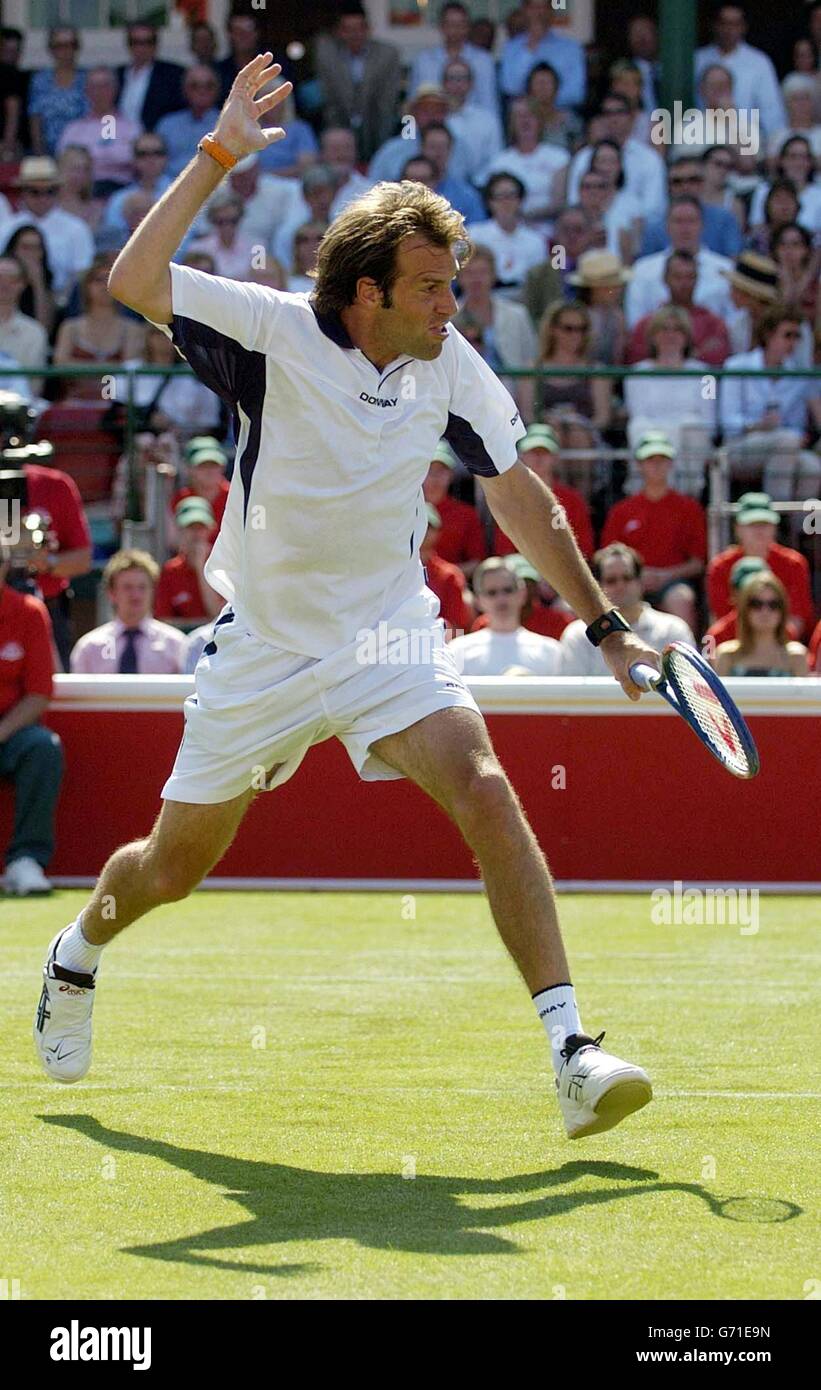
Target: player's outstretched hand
[621,650]
[238,127]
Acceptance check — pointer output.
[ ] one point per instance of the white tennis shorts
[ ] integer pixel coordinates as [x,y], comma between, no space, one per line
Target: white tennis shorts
[257,707]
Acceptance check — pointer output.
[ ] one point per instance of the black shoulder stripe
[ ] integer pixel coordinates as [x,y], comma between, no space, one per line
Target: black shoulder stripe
[468,446]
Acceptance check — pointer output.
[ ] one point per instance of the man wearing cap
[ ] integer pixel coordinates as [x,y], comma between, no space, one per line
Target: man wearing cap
[430,65]
[756,526]
[539,449]
[206,461]
[618,568]
[667,528]
[766,419]
[184,596]
[503,645]
[428,106]
[447,581]
[134,643]
[460,539]
[69,242]
[711,340]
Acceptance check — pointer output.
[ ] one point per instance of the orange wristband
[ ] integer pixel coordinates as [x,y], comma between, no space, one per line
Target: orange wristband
[212,147]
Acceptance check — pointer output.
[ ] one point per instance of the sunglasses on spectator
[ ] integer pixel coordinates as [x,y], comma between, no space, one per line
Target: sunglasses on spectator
[41,191]
[156,152]
[571,327]
[676,179]
[774,604]
[494,593]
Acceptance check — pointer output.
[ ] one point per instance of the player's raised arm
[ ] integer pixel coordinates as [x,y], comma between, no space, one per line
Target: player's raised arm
[140,275]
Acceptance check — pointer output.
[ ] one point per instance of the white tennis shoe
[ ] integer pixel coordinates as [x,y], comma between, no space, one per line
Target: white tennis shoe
[62,1024]
[596,1090]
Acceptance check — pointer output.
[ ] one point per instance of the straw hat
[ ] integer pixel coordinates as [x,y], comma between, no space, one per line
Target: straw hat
[599,270]
[755,274]
[37,168]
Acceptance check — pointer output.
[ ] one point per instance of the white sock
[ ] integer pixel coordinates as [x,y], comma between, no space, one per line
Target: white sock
[75,953]
[557,1009]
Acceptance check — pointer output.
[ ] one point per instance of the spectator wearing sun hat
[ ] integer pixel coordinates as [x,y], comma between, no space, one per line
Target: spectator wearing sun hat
[753,283]
[599,280]
[460,539]
[667,529]
[756,524]
[206,462]
[445,580]
[539,449]
[68,239]
[184,596]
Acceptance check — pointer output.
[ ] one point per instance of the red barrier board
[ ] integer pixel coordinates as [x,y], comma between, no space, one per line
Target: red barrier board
[616,793]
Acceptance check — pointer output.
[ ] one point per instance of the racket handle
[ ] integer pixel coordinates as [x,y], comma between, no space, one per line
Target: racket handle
[646,677]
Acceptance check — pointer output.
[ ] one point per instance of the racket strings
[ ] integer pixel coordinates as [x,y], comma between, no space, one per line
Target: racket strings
[710,715]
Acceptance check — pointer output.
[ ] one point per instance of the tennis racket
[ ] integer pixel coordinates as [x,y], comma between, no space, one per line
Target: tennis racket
[695,692]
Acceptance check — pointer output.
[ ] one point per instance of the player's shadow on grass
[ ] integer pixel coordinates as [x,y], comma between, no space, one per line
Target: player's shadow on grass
[383,1211]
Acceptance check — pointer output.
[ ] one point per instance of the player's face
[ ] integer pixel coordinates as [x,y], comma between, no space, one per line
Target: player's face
[422,300]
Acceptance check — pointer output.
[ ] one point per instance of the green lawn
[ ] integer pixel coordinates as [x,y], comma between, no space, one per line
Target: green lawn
[268,1066]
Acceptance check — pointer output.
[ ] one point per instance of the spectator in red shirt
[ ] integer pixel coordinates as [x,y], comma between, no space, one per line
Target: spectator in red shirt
[184,596]
[447,581]
[537,615]
[726,629]
[461,540]
[30,756]
[665,527]
[206,462]
[711,340]
[814,652]
[55,497]
[756,524]
[539,449]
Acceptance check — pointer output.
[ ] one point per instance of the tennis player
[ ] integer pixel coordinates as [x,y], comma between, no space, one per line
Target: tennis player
[341,396]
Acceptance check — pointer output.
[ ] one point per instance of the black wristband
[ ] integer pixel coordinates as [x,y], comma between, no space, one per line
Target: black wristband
[604,625]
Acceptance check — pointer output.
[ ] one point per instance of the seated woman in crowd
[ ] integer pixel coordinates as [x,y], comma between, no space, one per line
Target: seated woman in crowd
[781,205]
[622,216]
[27,245]
[539,165]
[762,647]
[798,267]
[599,281]
[578,408]
[626,80]
[101,334]
[233,253]
[677,403]
[306,245]
[507,334]
[562,128]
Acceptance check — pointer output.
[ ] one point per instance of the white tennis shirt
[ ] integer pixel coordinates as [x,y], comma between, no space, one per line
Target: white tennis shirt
[325,514]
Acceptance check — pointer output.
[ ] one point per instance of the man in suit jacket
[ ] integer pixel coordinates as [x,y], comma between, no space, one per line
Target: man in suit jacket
[360,79]
[148,88]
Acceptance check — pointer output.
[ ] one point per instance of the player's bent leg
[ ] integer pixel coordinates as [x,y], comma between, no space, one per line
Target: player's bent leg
[449,755]
[186,841]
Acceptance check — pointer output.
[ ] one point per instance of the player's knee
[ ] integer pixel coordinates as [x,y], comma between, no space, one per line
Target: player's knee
[172,881]
[485,800]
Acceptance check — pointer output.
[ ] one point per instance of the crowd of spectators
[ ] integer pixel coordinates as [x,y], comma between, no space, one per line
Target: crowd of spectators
[596,246]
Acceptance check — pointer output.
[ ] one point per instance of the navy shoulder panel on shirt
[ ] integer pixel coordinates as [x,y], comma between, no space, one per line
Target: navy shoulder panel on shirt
[237,375]
[468,446]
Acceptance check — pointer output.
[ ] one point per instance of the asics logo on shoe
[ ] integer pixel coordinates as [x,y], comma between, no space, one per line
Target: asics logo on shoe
[576,1081]
[43,1011]
[69,989]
